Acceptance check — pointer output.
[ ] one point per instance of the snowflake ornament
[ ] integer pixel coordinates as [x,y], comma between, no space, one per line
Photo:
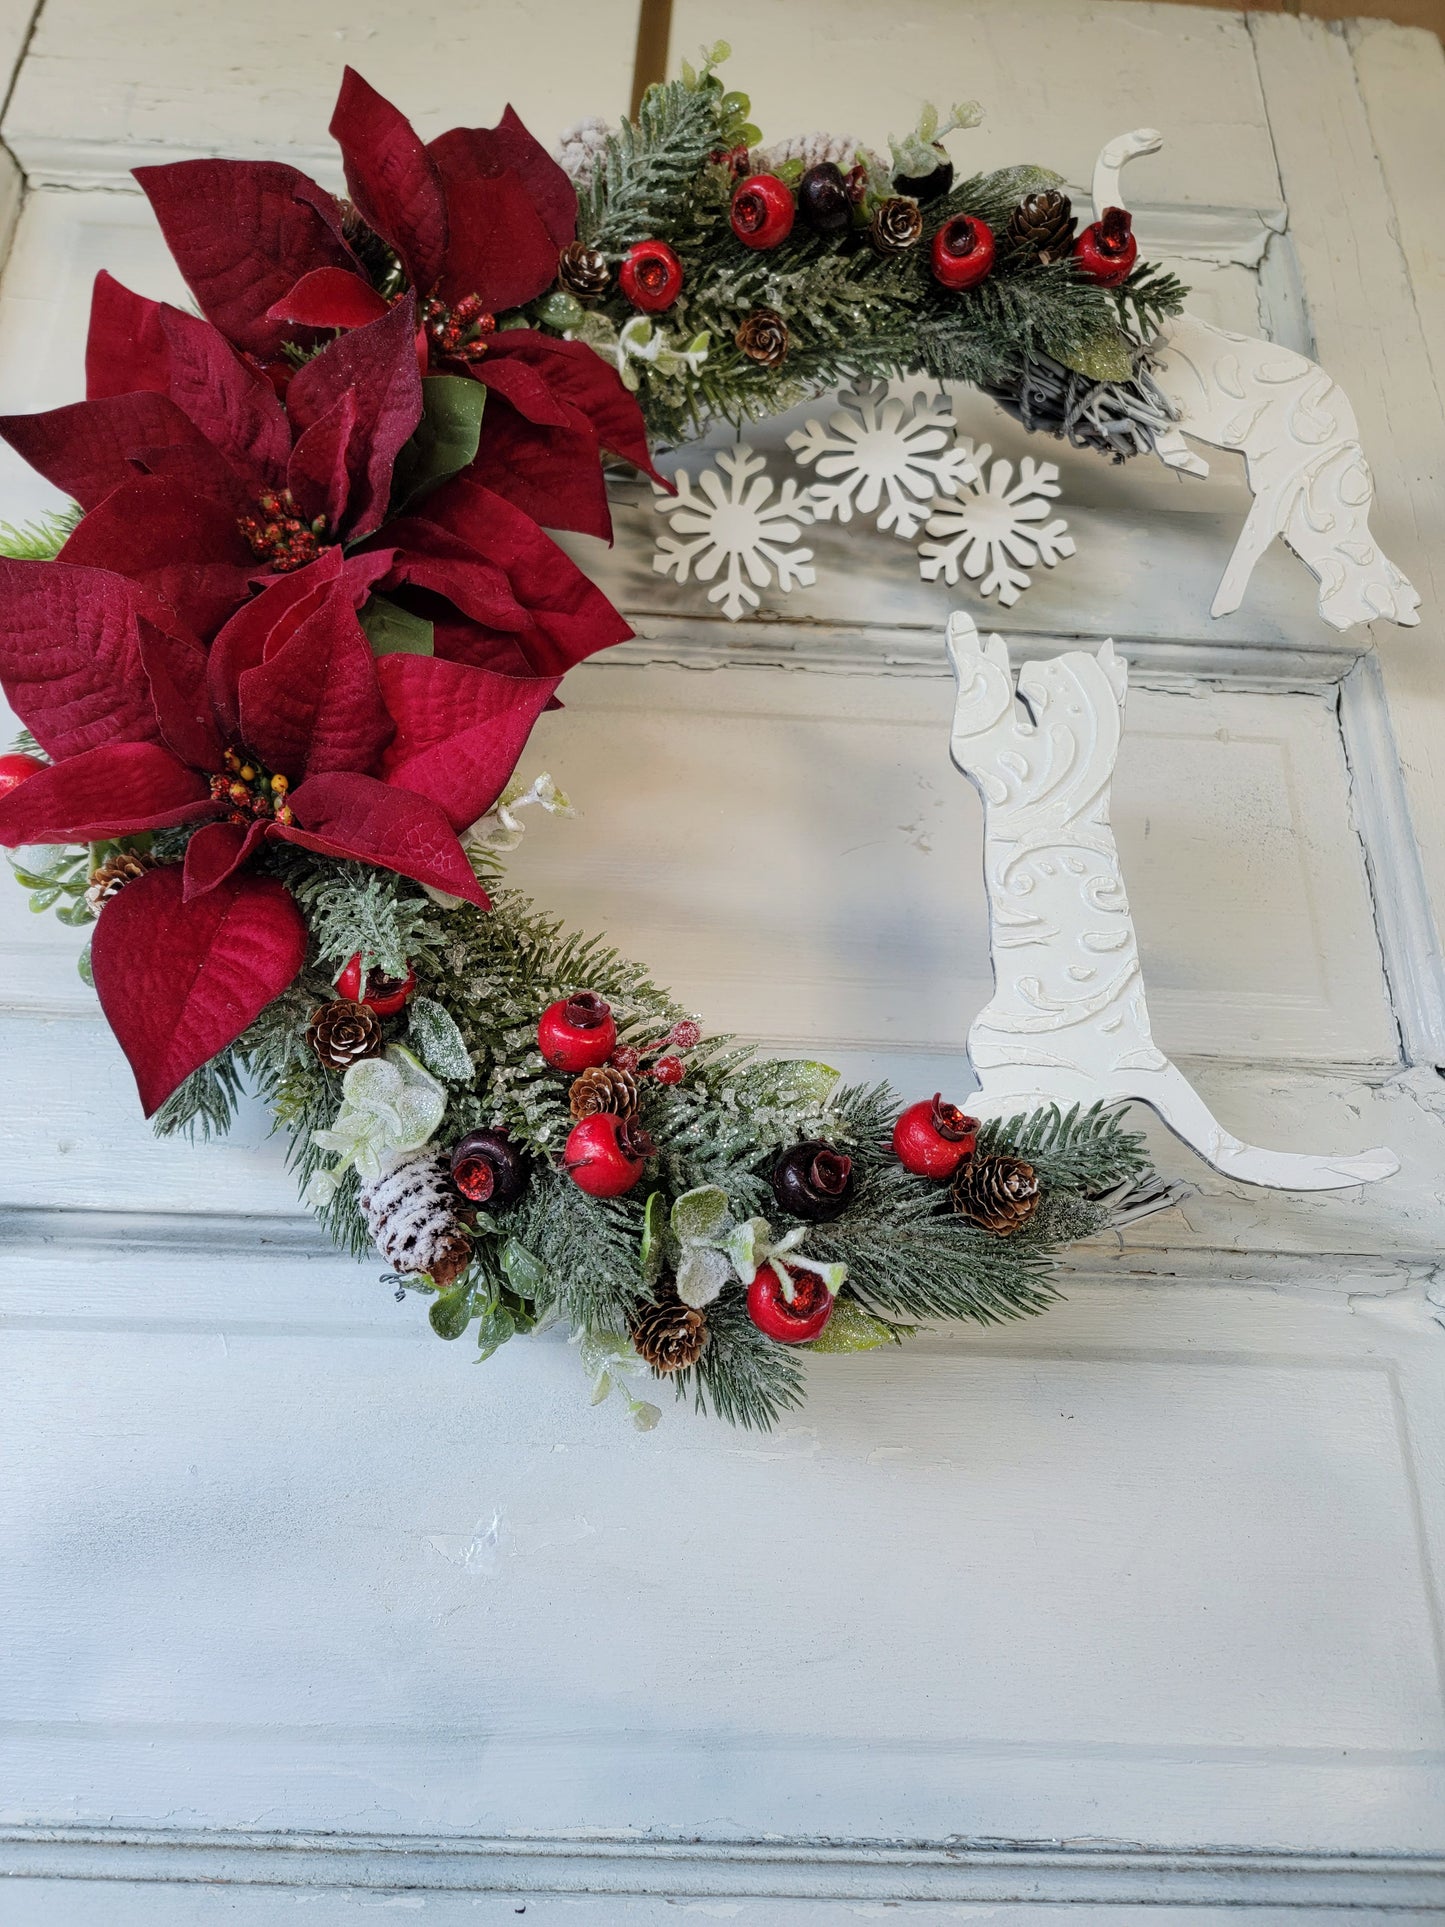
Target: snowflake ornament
[882,447]
[736,524]
[992,529]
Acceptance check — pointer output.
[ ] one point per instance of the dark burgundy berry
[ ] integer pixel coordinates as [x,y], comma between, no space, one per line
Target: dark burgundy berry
[823,199]
[488,1168]
[813,1181]
[927,187]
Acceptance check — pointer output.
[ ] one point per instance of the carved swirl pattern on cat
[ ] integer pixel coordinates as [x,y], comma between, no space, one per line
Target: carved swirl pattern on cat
[1068,1021]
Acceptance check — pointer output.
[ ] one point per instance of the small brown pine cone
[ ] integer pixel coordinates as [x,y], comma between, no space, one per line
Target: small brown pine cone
[999,1193]
[1043,225]
[583,271]
[763,337]
[452,1255]
[897,225]
[114,874]
[669,1335]
[341,1034]
[603,1088]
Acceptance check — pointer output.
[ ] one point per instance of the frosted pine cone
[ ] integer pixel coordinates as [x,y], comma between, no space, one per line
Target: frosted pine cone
[812,150]
[999,1193]
[669,1335]
[603,1088]
[409,1211]
[121,869]
[580,147]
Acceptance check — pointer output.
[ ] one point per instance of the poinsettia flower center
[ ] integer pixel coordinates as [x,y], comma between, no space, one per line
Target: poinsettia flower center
[279,535]
[251,790]
[460,332]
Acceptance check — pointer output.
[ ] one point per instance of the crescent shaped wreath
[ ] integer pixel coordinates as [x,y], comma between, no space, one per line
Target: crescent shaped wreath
[278,665]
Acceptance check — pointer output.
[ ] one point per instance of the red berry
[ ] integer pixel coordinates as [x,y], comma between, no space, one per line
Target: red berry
[762,211]
[1107,251]
[15,768]
[606,1154]
[963,252]
[789,1324]
[931,1139]
[577,1032]
[650,276]
[669,1070]
[385,995]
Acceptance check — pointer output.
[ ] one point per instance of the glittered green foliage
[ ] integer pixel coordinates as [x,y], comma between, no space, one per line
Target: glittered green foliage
[40,540]
[1088,1151]
[639,187]
[741,1376]
[204,1105]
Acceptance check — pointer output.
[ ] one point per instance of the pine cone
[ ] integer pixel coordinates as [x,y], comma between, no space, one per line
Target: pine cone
[366,244]
[998,1193]
[897,225]
[341,1034]
[113,875]
[583,271]
[603,1088]
[668,1335]
[408,1210]
[1043,225]
[763,337]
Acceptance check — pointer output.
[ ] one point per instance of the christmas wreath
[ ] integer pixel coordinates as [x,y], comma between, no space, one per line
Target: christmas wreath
[278,665]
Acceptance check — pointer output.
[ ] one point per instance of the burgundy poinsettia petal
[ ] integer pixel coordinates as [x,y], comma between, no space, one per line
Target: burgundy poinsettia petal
[498,243]
[269,620]
[317,475]
[430,557]
[569,617]
[179,981]
[125,350]
[525,388]
[182,544]
[312,705]
[392,178]
[243,234]
[378,364]
[117,790]
[374,822]
[175,668]
[459,731]
[579,379]
[91,447]
[216,852]
[329,298]
[70,657]
[509,148]
[232,403]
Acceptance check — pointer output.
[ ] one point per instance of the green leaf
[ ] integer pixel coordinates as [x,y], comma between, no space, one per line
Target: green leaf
[700,1214]
[654,1236]
[495,1326]
[1106,356]
[82,965]
[394,631]
[851,1329]
[76,914]
[524,1273]
[43,899]
[439,1044]
[446,438]
[451,1311]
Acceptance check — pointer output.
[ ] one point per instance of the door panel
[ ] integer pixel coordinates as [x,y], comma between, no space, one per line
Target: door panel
[1154,1580]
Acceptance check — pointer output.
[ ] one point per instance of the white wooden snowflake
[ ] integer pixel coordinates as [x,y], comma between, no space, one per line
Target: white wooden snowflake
[992,531]
[881,446]
[737,524]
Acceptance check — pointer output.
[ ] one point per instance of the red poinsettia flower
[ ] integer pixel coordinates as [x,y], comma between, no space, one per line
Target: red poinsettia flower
[476,219]
[195,477]
[163,462]
[287,728]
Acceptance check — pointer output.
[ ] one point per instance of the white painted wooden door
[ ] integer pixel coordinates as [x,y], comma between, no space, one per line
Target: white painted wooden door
[1135,1605]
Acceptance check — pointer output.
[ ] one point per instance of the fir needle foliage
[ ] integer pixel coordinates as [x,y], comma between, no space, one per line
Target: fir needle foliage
[557,1253]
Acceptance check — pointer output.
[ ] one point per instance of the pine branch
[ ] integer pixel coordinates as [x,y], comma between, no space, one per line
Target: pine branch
[639,184]
[42,539]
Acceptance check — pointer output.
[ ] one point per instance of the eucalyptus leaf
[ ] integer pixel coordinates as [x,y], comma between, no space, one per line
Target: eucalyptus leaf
[1106,356]
[851,1329]
[446,438]
[700,1214]
[394,631]
[524,1274]
[43,898]
[451,1311]
[494,1327]
[439,1044]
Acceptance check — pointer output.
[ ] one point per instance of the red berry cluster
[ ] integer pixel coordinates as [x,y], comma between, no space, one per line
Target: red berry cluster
[278,535]
[251,791]
[459,333]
